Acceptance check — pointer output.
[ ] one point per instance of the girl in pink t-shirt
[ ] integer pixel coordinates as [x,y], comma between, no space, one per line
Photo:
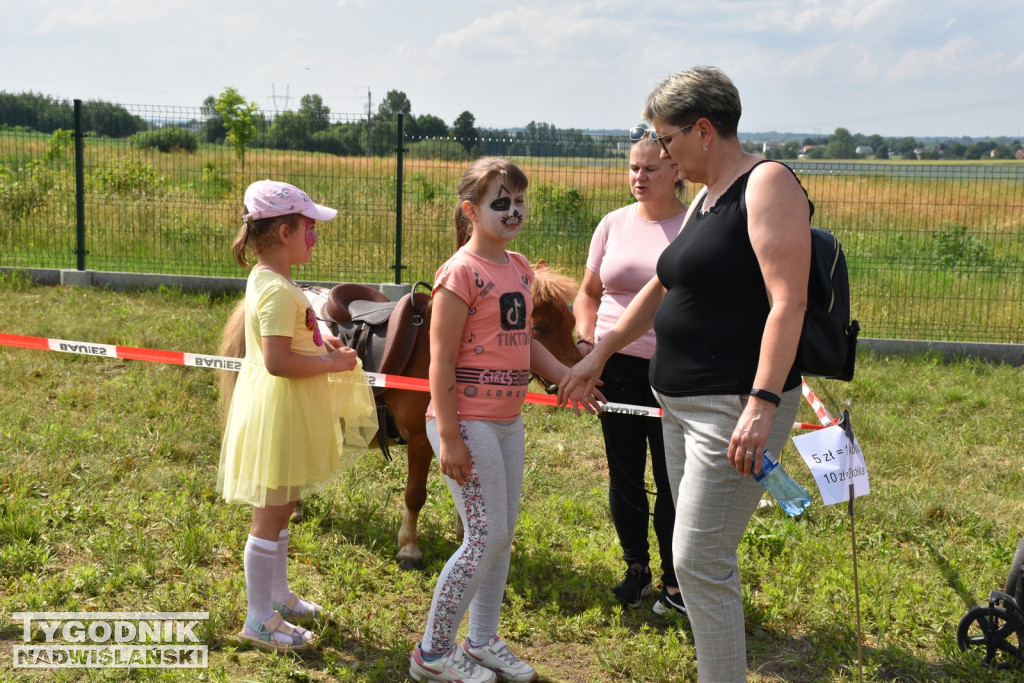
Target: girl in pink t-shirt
[481,355]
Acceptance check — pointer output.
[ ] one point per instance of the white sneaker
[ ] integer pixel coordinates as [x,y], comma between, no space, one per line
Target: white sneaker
[496,656]
[453,666]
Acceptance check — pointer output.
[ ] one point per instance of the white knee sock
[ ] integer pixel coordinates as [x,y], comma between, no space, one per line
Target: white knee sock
[260,556]
[279,585]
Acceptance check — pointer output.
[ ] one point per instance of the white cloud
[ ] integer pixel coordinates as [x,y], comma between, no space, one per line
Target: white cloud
[567,62]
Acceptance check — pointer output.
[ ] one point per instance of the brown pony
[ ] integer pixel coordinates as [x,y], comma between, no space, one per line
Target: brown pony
[552,324]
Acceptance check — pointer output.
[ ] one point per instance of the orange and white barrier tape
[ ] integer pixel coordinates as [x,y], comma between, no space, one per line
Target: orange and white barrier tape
[198,360]
[819,409]
[376,379]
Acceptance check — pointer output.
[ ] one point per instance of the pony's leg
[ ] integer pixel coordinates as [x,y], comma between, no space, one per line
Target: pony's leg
[420,456]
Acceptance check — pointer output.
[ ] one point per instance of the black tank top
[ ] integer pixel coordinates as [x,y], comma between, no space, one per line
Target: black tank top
[710,323]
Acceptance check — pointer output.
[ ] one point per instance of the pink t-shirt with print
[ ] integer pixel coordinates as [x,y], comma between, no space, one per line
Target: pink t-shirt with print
[492,371]
[624,252]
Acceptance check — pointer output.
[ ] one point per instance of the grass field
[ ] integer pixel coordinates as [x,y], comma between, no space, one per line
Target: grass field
[107,503]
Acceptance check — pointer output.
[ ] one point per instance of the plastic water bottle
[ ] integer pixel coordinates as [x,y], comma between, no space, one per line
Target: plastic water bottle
[789,494]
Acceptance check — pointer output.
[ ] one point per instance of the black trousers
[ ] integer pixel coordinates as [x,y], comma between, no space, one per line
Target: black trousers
[626,439]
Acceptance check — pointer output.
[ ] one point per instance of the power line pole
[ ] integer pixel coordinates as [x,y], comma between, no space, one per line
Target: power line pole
[274,98]
[369,127]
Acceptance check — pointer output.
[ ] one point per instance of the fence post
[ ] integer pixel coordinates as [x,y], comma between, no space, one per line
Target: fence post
[400,162]
[79,188]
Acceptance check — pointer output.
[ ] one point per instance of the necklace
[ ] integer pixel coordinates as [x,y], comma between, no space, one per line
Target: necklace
[710,202]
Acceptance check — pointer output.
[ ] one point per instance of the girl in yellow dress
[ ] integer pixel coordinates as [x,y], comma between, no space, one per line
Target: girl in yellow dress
[282,435]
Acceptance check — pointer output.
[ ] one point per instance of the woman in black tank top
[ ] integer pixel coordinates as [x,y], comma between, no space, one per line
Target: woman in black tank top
[727,306]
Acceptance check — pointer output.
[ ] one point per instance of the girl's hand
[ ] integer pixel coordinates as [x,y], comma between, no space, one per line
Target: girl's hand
[332,342]
[456,461]
[342,359]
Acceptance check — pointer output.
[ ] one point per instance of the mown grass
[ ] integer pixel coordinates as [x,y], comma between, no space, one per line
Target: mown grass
[107,503]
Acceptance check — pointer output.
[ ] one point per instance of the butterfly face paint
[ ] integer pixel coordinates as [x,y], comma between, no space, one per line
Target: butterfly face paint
[311,238]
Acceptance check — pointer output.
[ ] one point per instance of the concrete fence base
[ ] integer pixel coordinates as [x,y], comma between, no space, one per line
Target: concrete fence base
[1010,354]
[142,281]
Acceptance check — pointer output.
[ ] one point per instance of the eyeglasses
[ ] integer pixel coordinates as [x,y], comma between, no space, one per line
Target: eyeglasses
[665,139]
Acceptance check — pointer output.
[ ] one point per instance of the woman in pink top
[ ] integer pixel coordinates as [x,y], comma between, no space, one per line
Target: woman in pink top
[481,355]
[623,253]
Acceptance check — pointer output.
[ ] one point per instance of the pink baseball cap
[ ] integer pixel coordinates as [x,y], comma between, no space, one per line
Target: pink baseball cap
[269,198]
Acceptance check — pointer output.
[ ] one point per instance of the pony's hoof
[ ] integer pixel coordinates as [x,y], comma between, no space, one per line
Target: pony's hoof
[408,565]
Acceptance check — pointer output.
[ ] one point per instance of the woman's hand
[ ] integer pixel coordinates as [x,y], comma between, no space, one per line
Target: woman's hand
[578,385]
[456,461]
[751,435]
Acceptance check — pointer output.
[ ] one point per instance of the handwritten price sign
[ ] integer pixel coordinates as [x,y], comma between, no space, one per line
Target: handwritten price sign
[835,462]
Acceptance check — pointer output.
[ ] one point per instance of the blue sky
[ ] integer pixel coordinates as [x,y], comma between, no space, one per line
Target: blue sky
[893,67]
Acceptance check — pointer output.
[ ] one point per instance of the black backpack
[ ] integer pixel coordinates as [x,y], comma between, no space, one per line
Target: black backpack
[828,342]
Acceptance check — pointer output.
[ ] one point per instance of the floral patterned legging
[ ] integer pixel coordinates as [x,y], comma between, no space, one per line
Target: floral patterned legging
[474,577]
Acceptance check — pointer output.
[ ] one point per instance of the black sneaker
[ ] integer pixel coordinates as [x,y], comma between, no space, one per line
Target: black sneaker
[635,586]
[669,604]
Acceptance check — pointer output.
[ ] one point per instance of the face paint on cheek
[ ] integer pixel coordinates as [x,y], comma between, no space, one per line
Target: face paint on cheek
[311,238]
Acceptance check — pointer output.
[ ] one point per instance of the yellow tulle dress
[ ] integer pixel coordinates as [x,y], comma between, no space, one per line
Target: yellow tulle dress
[285,438]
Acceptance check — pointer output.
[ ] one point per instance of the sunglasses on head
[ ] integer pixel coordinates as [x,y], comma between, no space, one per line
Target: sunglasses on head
[637,134]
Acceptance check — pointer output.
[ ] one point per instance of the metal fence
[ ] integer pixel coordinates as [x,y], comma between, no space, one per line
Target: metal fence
[934,249]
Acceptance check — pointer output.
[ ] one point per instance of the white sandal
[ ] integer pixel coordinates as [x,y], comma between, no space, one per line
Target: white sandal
[287,609]
[263,635]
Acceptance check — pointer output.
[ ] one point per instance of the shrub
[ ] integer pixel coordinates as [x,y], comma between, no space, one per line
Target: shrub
[166,139]
[62,145]
[561,207]
[954,247]
[25,192]
[128,175]
[215,181]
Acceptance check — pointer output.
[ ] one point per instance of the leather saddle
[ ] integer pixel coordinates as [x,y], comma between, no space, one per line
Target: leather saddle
[383,333]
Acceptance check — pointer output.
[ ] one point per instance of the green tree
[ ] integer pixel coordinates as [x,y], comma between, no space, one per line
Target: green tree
[1004,152]
[464,130]
[841,145]
[904,147]
[239,120]
[432,126]
[395,102]
[213,123]
[289,130]
[315,112]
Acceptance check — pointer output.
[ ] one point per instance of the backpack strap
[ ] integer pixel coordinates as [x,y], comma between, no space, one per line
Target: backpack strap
[743,195]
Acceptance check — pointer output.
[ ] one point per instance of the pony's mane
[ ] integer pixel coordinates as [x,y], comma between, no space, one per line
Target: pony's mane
[550,285]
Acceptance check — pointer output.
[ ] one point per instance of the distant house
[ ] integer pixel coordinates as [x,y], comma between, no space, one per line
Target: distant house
[805,150]
[770,144]
[864,150]
[1019,154]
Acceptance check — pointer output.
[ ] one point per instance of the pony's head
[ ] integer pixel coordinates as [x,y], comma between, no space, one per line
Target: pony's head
[552,322]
